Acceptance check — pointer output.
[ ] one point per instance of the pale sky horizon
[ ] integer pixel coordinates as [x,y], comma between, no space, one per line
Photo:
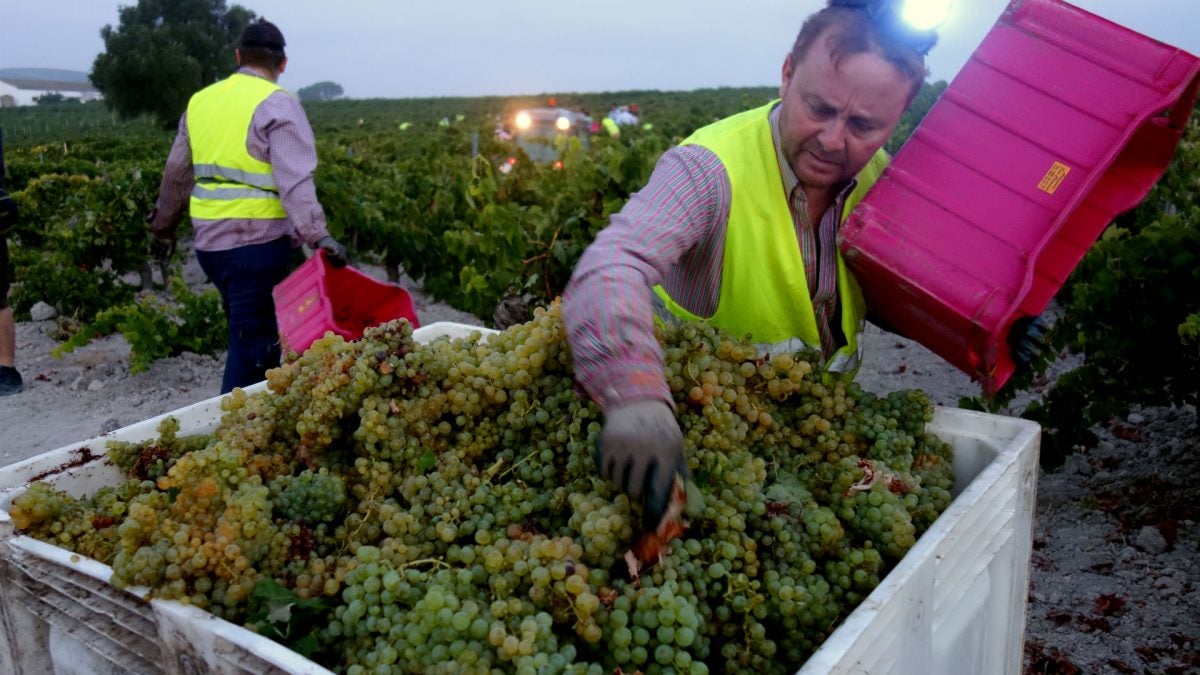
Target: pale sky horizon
[389,49]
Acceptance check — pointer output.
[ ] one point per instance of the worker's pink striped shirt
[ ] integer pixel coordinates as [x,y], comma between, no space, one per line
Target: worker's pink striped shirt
[279,134]
[672,233]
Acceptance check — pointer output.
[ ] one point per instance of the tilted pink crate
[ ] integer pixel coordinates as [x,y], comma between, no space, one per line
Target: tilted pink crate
[1059,121]
[318,297]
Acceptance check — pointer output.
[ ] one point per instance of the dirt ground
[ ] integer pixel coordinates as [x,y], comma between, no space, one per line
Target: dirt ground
[1115,575]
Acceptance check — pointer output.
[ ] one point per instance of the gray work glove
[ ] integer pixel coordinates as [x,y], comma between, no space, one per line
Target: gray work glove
[335,253]
[162,247]
[1027,342]
[641,452]
[162,243]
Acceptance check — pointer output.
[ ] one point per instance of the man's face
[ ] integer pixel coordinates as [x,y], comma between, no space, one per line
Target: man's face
[834,117]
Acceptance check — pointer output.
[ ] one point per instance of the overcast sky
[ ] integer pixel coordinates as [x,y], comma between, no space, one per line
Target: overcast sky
[405,48]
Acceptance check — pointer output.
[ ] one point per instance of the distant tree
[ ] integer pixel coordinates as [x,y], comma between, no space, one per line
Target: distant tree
[53,98]
[321,91]
[164,51]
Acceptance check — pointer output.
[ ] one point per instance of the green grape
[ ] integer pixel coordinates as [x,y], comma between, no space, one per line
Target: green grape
[440,507]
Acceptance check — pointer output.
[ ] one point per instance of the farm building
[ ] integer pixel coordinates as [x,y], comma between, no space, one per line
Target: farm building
[20,86]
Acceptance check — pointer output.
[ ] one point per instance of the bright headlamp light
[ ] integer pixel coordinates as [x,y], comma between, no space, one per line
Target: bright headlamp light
[924,15]
[913,22]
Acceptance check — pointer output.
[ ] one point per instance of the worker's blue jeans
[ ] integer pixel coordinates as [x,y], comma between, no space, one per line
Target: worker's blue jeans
[245,277]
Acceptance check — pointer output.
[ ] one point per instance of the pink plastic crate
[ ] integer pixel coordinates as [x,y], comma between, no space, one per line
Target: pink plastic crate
[1060,121]
[318,297]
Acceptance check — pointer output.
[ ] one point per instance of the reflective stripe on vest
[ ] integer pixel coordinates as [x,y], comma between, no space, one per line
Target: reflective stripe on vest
[217,192]
[764,291]
[265,181]
[230,183]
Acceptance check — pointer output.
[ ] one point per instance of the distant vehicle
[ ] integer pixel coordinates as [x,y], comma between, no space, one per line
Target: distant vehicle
[538,130]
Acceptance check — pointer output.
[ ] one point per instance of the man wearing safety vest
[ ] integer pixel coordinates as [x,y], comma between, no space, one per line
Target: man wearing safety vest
[738,226]
[243,165]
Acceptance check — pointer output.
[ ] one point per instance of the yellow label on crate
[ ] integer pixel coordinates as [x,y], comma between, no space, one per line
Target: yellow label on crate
[308,302]
[1053,178]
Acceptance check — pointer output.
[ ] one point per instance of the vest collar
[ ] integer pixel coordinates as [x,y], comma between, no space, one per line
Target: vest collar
[247,70]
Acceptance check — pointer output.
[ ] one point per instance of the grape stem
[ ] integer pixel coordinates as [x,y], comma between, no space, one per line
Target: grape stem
[517,464]
[370,501]
[435,562]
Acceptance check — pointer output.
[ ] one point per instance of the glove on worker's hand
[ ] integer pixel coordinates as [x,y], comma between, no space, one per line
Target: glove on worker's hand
[162,242]
[335,253]
[641,452]
[1027,341]
[162,247]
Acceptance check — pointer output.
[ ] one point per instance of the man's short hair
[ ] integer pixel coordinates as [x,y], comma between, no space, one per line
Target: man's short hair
[262,44]
[853,30]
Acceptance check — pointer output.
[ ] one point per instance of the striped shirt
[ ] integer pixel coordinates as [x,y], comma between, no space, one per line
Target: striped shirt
[279,135]
[672,232]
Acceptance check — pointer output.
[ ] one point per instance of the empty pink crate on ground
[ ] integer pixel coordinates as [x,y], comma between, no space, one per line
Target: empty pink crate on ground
[1059,121]
[318,297]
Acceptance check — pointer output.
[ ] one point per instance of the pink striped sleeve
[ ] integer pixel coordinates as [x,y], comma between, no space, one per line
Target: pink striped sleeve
[281,132]
[176,186]
[607,307]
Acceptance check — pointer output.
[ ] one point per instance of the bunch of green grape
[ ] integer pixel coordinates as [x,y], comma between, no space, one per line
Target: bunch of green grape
[443,503]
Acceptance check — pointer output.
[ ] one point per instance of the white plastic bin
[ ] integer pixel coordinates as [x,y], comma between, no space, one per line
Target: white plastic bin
[955,604]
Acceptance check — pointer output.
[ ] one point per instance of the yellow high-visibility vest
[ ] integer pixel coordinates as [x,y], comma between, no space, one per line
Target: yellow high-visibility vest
[764,291]
[230,183]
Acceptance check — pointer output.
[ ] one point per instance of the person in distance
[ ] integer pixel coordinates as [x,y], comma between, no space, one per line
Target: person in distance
[738,226]
[10,377]
[243,164]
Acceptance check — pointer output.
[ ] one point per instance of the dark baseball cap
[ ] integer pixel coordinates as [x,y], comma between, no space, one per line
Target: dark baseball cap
[262,34]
